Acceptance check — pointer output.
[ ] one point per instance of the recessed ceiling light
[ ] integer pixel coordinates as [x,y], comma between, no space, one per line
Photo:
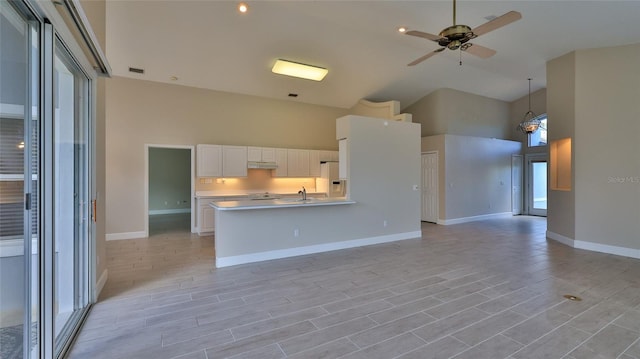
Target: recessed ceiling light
[296,69]
[242,7]
[402,29]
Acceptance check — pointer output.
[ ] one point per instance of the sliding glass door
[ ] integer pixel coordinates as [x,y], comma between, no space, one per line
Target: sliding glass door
[71,208]
[45,187]
[19,183]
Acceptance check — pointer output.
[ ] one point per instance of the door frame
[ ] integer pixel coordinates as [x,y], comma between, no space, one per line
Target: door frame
[191,148]
[437,184]
[514,174]
[528,189]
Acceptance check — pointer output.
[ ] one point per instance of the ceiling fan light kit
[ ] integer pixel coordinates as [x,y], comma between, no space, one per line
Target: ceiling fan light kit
[458,36]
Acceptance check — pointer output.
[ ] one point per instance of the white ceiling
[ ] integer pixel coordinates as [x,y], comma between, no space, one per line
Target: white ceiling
[209,44]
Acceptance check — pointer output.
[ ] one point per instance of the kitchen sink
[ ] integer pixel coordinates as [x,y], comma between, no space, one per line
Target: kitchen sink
[298,200]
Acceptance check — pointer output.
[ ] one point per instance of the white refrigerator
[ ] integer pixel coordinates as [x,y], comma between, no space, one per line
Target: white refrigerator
[329,181]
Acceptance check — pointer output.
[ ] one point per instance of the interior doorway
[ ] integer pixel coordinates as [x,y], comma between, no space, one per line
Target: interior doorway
[537,185]
[429,187]
[169,188]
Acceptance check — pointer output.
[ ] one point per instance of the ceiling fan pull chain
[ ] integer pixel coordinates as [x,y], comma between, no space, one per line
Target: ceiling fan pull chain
[461,57]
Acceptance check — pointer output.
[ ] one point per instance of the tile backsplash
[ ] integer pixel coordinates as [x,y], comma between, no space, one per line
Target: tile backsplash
[256,180]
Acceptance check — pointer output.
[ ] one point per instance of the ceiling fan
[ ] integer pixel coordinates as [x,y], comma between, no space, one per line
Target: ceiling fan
[457,36]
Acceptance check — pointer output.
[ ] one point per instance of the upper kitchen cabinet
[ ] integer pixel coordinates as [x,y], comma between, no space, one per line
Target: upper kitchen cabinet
[234,161]
[298,163]
[281,161]
[254,154]
[329,156]
[314,163]
[209,161]
[261,154]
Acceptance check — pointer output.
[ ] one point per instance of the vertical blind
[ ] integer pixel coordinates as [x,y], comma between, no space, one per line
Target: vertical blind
[12,207]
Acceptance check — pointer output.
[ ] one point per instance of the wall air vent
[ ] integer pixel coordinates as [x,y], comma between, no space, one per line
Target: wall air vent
[136,70]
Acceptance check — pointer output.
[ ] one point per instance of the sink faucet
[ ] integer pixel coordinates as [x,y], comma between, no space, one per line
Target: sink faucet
[303,193]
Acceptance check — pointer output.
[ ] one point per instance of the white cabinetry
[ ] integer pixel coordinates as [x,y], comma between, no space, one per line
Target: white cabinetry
[268,154]
[314,163]
[254,154]
[261,154]
[206,216]
[281,161]
[234,161]
[298,163]
[209,159]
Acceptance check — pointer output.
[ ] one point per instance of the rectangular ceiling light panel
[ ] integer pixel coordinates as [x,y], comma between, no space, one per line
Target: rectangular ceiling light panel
[289,68]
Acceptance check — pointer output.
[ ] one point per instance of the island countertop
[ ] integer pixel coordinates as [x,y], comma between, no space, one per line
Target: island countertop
[278,203]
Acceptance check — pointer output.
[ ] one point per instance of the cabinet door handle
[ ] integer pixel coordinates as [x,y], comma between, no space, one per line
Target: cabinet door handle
[94,211]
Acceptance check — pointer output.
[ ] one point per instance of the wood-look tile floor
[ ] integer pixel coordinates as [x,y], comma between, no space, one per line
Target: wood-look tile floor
[491,289]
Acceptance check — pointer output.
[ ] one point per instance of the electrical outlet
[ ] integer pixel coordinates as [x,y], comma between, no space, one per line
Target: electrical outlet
[384,223]
[296,232]
[166,203]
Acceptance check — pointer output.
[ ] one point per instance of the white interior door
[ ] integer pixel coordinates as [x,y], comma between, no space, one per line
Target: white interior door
[516,184]
[430,187]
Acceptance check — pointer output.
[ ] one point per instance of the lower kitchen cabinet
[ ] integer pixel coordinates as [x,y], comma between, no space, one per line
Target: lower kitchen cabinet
[206,215]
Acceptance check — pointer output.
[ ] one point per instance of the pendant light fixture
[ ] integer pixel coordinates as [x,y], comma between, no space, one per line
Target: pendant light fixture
[530,122]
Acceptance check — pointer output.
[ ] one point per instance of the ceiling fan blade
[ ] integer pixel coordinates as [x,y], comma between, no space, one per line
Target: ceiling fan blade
[480,51]
[420,59]
[425,35]
[497,23]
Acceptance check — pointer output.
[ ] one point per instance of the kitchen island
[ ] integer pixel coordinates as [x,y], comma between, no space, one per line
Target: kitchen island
[382,160]
[251,231]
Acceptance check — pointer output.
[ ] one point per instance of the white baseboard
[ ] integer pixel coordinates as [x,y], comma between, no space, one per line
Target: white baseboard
[595,247]
[318,248]
[605,248]
[560,238]
[169,211]
[447,222]
[124,235]
[101,282]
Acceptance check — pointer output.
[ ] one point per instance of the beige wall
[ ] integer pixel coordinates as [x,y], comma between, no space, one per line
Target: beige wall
[474,175]
[447,111]
[427,112]
[561,116]
[607,146]
[593,98]
[142,112]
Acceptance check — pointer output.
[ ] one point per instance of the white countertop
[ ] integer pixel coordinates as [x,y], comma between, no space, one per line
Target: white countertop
[278,203]
[242,193]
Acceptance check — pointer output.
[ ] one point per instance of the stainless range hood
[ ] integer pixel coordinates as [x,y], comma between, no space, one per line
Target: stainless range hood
[262,165]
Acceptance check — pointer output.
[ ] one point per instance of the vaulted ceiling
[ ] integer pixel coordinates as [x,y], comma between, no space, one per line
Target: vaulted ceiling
[209,44]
